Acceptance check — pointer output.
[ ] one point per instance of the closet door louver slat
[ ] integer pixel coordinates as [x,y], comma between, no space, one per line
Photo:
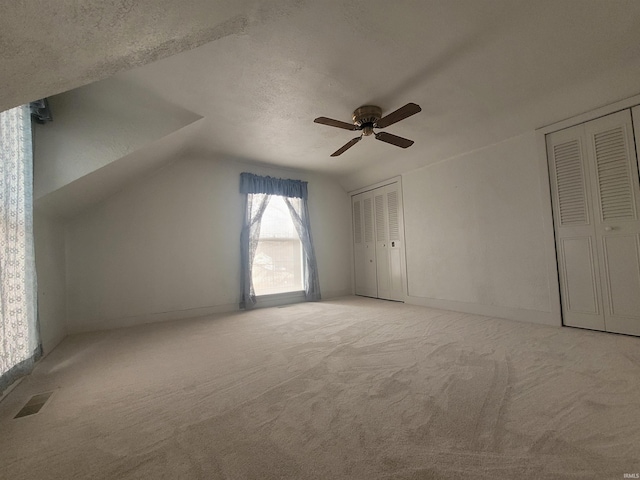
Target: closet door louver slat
[570,183]
[614,177]
[368,221]
[392,205]
[357,222]
[381,231]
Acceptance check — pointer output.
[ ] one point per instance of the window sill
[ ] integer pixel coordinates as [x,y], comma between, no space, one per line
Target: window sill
[277,299]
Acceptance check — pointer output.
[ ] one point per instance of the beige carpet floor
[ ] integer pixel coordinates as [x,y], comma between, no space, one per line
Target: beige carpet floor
[352,388]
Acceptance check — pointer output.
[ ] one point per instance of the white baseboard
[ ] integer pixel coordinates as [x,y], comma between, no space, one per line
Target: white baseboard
[337,293]
[509,313]
[110,323]
[50,343]
[267,301]
[7,390]
[279,299]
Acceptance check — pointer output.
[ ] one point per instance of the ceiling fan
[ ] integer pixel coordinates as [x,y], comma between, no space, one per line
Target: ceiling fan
[368,117]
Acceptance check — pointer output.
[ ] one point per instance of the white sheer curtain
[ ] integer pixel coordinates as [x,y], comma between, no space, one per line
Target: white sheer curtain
[249,237]
[300,215]
[19,343]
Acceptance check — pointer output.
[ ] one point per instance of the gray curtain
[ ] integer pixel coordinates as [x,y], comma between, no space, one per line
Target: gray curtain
[19,339]
[255,207]
[258,190]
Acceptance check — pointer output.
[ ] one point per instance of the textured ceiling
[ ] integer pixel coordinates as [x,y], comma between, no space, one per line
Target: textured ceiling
[51,47]
[483,71]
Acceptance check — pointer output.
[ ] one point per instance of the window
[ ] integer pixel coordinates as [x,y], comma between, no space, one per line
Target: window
[276,249]
[278,265]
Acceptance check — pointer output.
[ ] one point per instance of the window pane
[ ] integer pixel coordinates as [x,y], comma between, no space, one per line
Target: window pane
[277,266]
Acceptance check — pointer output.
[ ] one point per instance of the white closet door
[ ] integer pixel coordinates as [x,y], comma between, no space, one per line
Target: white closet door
[389,251]
[382,240]
[617,204]
[596,197]
[576,244]
[379,243]
[358,242]
[364,245]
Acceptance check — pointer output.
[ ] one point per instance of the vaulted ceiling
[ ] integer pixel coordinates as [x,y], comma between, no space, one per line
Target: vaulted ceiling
[259,72]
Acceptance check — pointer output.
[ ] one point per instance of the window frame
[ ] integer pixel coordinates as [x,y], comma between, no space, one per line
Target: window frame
[292,296]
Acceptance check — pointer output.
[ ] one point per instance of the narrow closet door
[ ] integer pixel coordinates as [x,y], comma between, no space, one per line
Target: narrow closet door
[364,245]
[576,244]
[616,198]
[382,240]
[389,242]
[358,243]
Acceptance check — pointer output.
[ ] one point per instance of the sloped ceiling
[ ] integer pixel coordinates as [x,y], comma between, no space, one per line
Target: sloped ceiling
[51,47]
[86,190]
[483,71]
[96,125]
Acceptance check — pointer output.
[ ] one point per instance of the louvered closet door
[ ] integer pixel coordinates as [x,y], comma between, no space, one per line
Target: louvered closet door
[364,245]
[616,198]
[596,197]
[388,242]
[576,243]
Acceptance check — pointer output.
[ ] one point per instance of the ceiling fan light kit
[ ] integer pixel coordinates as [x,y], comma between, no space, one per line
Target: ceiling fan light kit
[368,117]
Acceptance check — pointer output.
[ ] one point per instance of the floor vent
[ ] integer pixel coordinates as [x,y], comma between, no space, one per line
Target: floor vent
[34,405]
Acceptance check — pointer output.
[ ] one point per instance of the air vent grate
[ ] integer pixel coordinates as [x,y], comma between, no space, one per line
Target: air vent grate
[34,405]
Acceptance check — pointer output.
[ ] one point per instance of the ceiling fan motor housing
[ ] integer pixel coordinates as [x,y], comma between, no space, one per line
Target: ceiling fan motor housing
[365,118]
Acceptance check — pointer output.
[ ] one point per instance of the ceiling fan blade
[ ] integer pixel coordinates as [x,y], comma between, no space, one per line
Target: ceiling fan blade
[335,123]
[394,140]
[400,114]
[347,146]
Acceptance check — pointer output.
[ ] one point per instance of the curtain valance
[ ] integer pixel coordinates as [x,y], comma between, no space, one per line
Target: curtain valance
[250,183]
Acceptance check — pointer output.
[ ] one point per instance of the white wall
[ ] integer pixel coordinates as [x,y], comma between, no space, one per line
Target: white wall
[479,235]
[49,238]
[168,246]
[95,125]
